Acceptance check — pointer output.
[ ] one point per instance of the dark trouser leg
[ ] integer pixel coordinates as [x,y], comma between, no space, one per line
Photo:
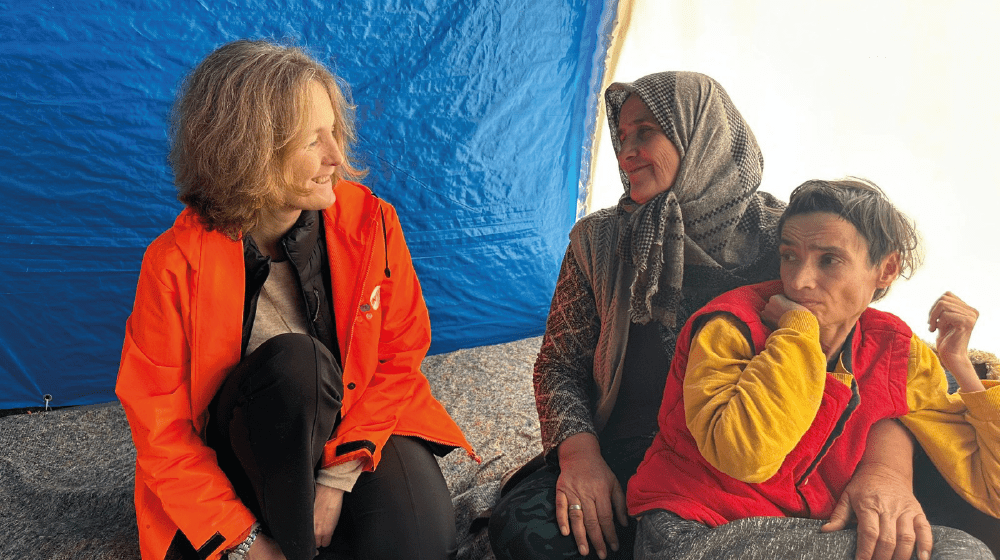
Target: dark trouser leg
[401,510]
[523,524]
[270,421]
[944,506]
[665,536]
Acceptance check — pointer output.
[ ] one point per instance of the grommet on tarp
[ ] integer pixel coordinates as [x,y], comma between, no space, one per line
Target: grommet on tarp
[47,398]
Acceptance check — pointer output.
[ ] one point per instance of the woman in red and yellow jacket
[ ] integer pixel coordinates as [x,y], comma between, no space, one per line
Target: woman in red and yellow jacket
[271,366]
[775,387]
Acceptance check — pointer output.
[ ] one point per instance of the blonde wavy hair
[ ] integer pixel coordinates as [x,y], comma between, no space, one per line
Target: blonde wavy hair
[234,124]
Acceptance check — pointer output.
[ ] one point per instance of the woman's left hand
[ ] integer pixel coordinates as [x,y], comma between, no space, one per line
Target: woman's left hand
[953,319]
[326,513]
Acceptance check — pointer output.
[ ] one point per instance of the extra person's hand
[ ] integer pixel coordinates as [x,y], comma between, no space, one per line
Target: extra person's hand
[326,513]
[589,498]
[777,306]
[953,319]
[264,548]
[891,522]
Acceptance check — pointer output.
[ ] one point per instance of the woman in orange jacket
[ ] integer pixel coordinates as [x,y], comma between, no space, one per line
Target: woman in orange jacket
[271,366]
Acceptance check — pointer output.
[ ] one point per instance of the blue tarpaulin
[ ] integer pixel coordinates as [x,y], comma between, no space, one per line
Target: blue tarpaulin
[474,117]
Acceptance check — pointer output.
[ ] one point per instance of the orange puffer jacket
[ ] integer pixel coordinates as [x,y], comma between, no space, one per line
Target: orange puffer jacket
[184,336]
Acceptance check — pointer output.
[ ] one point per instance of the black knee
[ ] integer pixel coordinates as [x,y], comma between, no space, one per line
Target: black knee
[278,406]
[290,374]
[297,368]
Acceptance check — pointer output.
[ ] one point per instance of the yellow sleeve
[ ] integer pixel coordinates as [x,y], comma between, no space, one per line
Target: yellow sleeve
[960,432]
[748,412]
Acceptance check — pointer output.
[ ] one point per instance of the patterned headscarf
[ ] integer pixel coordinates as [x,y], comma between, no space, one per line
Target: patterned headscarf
[711,231]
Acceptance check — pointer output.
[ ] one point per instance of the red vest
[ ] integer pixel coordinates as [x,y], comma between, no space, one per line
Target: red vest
[674,476]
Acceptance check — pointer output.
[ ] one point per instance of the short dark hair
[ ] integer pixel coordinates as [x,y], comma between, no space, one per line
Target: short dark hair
[862,203]
[233,126]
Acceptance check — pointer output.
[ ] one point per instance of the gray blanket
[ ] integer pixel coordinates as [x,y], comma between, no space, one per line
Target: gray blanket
[66,475]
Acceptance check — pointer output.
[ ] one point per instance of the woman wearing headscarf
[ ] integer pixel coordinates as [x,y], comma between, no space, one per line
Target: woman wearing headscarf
[690,225]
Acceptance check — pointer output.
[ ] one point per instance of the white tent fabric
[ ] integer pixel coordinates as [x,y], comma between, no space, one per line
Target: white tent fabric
[902,93]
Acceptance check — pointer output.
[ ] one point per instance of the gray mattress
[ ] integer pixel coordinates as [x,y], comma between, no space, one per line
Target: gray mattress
[66,475]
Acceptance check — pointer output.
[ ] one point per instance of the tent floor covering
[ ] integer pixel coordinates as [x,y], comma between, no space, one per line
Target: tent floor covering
[66,475]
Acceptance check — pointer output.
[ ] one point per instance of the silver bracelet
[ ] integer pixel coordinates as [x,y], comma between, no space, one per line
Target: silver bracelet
[239,552]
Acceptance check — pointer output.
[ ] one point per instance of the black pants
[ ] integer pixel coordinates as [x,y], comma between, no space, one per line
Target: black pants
[943,506]
[269,423]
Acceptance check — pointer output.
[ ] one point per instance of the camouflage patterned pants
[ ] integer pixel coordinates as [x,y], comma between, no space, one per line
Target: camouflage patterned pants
[523,524]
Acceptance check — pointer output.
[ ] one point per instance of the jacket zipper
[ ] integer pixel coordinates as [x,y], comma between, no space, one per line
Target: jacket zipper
[359,291]
[835,433]
[350,336]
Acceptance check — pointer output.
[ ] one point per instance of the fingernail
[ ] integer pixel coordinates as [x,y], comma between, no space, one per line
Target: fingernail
[925,555]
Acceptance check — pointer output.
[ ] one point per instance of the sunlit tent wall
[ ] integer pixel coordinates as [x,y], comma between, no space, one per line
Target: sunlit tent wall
[474,120]
[896,91]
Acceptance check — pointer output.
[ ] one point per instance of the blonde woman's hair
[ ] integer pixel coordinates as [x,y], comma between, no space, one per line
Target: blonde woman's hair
[236,121]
